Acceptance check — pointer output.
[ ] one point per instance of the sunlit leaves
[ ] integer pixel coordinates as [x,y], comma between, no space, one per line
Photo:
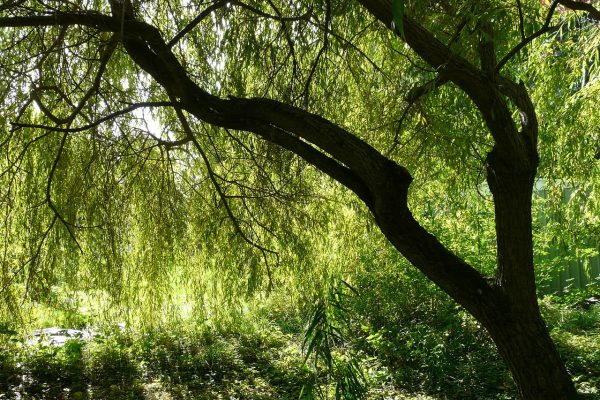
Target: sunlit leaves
[148,216]
[325,331]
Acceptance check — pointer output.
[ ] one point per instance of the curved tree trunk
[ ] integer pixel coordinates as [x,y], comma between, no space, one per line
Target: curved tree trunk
[526,347]
[515,326]
[506,304]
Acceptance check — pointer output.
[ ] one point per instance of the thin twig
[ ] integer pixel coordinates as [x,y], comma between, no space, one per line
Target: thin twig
[264,251]
[193,23]
[49,192]
[544,29]
[32,258]
[322,50]
[521,22]
[94,124]
[220,4]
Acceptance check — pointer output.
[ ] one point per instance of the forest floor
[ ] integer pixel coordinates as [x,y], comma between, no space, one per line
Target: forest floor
[430,359]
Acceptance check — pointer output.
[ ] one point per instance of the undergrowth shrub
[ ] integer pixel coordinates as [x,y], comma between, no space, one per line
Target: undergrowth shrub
[576,332]
[391,332]
[423,339]
[262,364]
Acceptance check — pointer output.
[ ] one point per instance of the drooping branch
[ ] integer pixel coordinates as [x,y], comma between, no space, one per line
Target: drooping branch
[19,158]
[31,260]
[290,141]
[150,52]
[68,226]
[418,92]
[99,121]
[379,182]
[348,43]
[254,157]
[106,54]
[224,199]
[220,4]
[413,96]
[474,82]
[322,50]
[193,23]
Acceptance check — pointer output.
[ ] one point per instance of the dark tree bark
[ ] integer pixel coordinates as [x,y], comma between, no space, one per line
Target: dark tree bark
[505,304]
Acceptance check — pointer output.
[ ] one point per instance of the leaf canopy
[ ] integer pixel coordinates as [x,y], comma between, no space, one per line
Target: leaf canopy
[117,201]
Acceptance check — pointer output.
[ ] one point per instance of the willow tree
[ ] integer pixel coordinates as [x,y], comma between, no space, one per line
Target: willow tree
[345,87]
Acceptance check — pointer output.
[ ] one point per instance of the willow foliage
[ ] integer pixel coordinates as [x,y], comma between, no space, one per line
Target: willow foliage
[126,212]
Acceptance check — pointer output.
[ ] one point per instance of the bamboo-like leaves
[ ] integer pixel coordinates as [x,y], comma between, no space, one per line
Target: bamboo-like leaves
[325,330]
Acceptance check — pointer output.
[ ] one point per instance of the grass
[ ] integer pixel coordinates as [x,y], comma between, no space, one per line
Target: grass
[576,332]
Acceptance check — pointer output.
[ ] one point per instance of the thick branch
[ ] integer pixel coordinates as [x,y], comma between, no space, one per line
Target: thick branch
[475,83]
[521,19]
[581,6]
[486,48]
[93,19]
[511,165]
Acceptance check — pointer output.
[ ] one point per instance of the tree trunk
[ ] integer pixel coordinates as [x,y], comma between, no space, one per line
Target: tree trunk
[521,337]
[525,345]
[505,305]
[516,327]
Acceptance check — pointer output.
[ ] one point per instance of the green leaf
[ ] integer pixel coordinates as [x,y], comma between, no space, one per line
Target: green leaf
[398,17]
[6,330]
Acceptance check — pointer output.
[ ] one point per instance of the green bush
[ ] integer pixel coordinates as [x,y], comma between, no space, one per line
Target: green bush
[423,339]
[576,332]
